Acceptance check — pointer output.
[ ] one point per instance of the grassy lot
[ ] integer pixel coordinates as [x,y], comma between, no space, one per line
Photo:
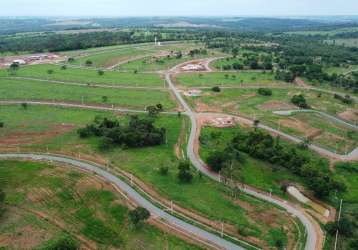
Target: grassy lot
[202,195]
[246,102]
[86,76]
[109,58]
[348,42]
[83,206]
[219,64]
[223,79]
[32,90]
[341,70]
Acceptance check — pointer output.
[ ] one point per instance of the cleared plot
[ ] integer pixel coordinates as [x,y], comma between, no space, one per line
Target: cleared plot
[254,219]
[54,72]
[11,89]
[223,79]
[46,203]
[319,129]
[109,58]
[155,63]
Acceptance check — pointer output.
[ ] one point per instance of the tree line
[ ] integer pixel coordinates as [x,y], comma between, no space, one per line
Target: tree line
[260,145]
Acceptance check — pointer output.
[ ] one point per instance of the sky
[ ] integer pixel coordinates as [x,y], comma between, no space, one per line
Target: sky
[177,7]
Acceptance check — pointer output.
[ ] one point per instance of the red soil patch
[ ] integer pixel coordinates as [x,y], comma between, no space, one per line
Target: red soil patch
[23,138]
[349,115]
[277,105]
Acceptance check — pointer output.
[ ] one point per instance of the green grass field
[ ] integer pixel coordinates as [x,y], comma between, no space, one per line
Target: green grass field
[202,195]
[219,64]
[86,76]
[85,206]
[223,79]
[129,98]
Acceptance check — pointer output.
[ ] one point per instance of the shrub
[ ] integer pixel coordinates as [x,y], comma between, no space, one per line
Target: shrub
[100,72]
[184,175]
[299,101]
[138,216]
[1,124]
[264,91]
[216,89]
[164,170]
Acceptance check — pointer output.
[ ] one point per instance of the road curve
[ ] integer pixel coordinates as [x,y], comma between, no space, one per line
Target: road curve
[312,235]
[132,194]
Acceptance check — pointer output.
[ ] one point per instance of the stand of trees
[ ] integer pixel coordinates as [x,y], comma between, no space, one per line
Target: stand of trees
[267,148]
[300,101]
[138,216]
[139,132]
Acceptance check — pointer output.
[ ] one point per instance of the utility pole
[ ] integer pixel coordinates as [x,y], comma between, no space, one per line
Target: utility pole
[339,217]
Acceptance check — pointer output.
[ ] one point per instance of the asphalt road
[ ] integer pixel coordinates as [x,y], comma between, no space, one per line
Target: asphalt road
[133,195]
[310,228]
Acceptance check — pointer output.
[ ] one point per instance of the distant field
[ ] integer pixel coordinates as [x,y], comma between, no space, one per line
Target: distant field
[348,42]
[86,76]
[203,195]
[341,70]
[323,32]
[129,98]
[75,204]
[223,79]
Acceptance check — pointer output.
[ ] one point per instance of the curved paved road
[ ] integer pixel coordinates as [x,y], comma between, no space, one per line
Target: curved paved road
[312,235]
[132,194]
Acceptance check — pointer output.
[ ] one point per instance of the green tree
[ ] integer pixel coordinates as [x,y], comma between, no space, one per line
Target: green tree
[14,67]
[184,175]
[89,63]
[138,216]
[100,72]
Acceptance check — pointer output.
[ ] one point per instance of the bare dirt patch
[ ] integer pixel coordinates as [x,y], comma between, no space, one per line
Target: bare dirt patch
[203,107]
[300,126]
[349,115]
[276,105]
[25,138]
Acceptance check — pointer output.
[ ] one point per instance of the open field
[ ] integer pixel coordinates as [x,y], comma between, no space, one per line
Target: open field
[219,64]
[223,79]
[155,63]
[85,76]
[341,70]
[248,103]
[46,203]
[129,98]
[348,42]
[252,217]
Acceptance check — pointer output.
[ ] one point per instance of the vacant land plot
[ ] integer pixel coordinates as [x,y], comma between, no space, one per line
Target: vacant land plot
[250,216]
[223,79]
[54,72]
[319,129]
[45,204]
[34,90]
[106,59]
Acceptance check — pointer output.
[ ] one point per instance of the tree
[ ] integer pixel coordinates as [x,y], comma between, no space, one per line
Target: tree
[100,72]
[216,89]
[184,175]
[50,71]
[89,63]
[264,91]
[217,160]
[2,200]
[164,170]
[300,101]
[24,105]
[138,216]
[66,242]
[235,52]
[14,67]
[104,98]
[1,124]
[63,67]
[71,59]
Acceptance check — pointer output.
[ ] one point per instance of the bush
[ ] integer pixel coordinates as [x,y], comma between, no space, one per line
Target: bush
[64,243]
[299,101]
[216,89]
[138,216]
[184,175]
[164,170]
[1,124]
[89,63]
[264,91]
[216,160]
[100,72]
